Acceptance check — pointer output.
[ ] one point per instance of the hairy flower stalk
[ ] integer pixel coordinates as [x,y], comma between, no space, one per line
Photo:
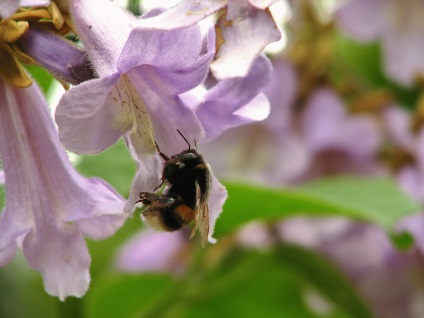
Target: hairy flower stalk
[35,36]
[144,93]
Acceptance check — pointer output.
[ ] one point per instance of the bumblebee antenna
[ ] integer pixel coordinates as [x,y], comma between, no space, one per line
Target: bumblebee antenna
[195,144]
[184,139]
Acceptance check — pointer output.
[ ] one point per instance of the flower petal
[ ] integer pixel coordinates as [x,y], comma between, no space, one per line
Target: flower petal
[9,7]
[103,27]
[216,201]
[262,4]
[152,251]
[398,123]
[185,13]
[326,125]
[362,19]
[7,253]
[170,50]
[402,51]
[246,31]
[101,115]
[166,111]
[43,190]
[147,178]
[237,101]
[62,257]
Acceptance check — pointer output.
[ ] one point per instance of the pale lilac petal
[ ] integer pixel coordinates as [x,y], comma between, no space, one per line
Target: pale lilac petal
[398,122]
[255,235]
[262,4]
[363,20]
[402,53]
[326,125]
[246,31]
[2,177]
[166,111]
[62,257]
[311,232]
[147,178]
[34,3]
[186,13]
[236,101]
[99,118]
[101,227]
[43,190]
[152,251]
[103,27]
[7,253]
[9,7]
[410,179]
[172,50]
[281,92]
[216,201]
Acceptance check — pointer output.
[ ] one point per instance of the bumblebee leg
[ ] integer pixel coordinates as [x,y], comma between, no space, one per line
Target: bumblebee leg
[165,157]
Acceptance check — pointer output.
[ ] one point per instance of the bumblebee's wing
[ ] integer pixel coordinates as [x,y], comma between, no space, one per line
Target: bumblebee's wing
[201,217]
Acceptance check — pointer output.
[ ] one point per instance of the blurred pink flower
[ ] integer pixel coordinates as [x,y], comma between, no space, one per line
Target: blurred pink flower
[337,143]
[410,176]
[151,251]
[397,24]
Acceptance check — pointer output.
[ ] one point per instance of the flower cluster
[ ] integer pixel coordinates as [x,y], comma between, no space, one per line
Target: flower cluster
[135,78]
[326,120]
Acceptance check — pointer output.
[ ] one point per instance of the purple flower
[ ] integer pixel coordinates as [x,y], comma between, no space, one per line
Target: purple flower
[397,24]
[244,29]
[9,7]
[271,151]
[337,142]
[151,251]
[49,206]
[410,174]
[139,95]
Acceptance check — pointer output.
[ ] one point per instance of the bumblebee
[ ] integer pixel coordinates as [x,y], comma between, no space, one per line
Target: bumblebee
[188,180]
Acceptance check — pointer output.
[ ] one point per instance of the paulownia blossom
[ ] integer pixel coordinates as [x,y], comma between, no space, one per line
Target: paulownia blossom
[397,24]
[49,206]
[142,74]
[244,28]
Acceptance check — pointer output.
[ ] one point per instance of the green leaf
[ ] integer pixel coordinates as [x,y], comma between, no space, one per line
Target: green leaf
[325,277]
[124,295]
[378,201]
[366,60]
[43,78]
[114,165]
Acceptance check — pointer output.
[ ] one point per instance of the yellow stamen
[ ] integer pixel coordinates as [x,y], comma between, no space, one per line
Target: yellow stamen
[11,31]
[10,68]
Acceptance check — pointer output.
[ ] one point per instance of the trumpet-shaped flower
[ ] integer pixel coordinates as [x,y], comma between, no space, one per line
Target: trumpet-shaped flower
[143,73]
[49,206]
